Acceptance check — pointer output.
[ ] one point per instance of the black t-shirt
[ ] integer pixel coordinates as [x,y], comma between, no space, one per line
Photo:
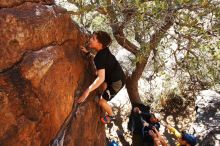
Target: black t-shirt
[113,71]
[135,124]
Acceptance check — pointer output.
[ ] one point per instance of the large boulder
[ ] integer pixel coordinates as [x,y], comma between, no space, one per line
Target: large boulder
[41,70]
[12,3]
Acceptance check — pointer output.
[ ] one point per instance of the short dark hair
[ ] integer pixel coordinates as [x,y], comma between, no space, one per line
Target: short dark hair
[104,38]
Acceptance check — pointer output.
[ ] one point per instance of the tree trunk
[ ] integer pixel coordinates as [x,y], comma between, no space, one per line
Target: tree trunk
[132,82]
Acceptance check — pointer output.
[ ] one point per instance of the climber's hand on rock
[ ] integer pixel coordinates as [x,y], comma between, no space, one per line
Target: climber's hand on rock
[83,97]
[83,49]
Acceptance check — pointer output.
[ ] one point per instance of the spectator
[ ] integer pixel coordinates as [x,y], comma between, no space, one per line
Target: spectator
[183,138]
[148,125]
[140,123]
[157,137]
[135,125]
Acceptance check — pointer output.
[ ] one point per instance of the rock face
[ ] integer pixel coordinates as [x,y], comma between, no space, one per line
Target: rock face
[11,3]
[41,69]
[207,125]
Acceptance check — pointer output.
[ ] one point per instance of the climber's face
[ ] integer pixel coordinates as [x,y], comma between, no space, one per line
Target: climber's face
[94,43]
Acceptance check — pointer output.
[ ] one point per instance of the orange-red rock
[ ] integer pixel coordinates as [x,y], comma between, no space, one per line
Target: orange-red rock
[41,67]
[11,3]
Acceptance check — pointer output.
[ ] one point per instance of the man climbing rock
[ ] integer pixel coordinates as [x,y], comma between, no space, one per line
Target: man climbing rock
[108,70]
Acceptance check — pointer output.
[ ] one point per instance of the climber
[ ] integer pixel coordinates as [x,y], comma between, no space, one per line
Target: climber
[108,70]
[183,138]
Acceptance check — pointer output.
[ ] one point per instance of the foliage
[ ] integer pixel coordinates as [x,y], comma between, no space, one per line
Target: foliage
[177,39]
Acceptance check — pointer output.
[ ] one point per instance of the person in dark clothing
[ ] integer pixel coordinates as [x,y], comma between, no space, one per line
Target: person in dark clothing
[139,112]
[148,125]
[109,72]
[135,123]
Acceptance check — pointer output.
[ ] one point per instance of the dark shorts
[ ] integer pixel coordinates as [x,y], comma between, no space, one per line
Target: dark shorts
[112,90]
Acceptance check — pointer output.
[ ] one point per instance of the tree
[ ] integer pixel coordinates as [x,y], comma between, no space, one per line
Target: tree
[183,32]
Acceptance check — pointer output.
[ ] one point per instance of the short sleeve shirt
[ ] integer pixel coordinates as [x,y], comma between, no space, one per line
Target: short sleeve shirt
[104,59]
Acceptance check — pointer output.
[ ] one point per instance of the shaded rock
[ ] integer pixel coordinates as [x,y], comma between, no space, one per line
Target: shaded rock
[207,125]
[41,69]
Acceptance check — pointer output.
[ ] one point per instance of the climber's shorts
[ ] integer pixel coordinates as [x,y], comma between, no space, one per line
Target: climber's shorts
[112,90]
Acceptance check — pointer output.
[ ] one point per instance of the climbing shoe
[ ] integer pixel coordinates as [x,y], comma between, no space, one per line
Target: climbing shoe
[107,119]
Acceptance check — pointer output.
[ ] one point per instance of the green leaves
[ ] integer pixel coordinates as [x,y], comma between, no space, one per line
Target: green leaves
[190,48]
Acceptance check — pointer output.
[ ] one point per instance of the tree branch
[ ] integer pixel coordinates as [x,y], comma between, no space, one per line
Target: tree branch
[117,29]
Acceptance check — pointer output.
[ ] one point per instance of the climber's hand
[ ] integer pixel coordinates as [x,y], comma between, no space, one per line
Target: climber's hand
[83,49]
[83,97]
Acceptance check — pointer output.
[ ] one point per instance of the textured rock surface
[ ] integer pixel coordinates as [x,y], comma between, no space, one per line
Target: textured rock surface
[41,68]
[30,26]
[207,125]
[11,3]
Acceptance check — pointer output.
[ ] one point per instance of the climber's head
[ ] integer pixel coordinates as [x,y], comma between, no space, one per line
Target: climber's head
[100,40]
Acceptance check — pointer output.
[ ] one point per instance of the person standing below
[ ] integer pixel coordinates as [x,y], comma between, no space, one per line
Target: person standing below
[157,137]
[108,70]
[183,138]
[136,124]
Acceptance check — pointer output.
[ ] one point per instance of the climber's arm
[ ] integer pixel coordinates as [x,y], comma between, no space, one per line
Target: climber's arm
[98,81]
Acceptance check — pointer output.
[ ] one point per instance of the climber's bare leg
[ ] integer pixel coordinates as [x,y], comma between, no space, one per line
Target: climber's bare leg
[105,106]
